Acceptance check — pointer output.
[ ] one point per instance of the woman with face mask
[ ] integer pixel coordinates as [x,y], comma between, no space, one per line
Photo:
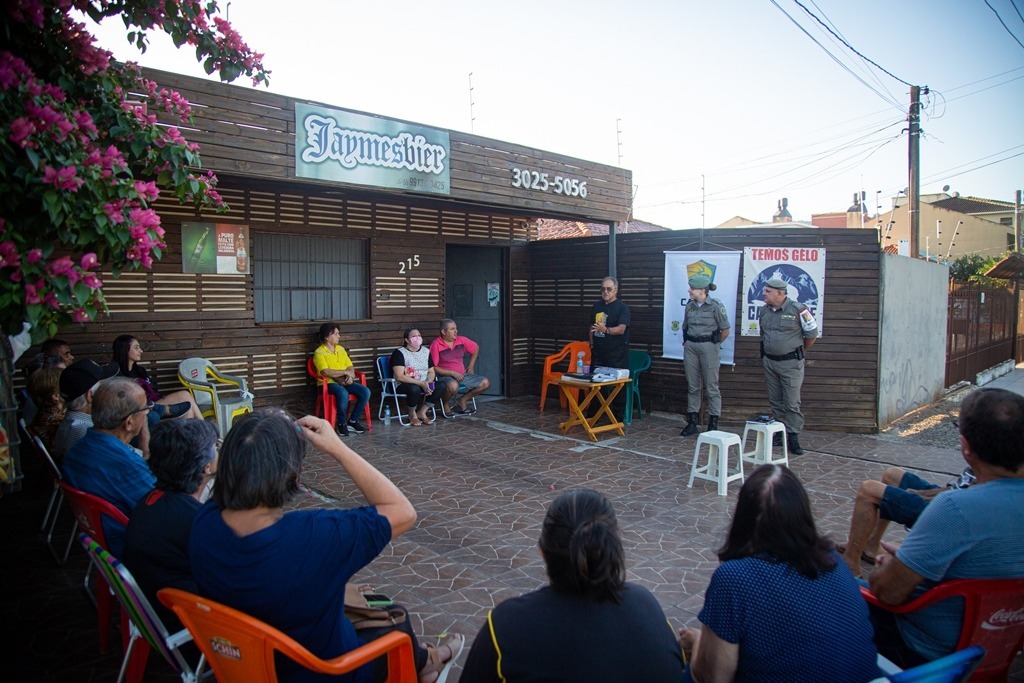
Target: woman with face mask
[183,457]
[410,366]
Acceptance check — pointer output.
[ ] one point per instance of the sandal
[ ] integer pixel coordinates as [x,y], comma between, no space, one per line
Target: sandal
[435,664]
[426,421]
[864,557]
[415,422]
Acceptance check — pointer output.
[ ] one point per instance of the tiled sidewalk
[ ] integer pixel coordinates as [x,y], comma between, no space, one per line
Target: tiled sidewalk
[480,486]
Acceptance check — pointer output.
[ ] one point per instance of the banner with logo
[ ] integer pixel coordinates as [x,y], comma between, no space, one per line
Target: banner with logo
[803,271]
[723,267]
[346,147]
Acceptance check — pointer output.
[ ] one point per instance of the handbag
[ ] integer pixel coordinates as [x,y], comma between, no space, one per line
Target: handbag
[363,616]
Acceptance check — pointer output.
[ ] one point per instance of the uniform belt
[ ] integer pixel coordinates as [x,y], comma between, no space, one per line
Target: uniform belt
[699,339]
[796,354]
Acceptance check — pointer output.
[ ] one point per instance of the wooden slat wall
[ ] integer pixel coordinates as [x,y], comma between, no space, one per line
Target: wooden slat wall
[555,283]
[251,132]
[178,315]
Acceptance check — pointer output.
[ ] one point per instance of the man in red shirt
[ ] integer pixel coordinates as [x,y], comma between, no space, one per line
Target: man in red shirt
[446,355]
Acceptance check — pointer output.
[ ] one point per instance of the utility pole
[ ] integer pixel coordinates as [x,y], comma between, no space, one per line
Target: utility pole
[1017,227]
[914,209]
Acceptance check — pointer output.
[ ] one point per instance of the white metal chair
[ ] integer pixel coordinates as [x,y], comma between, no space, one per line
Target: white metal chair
[146,630]
[389,391]
[217,393]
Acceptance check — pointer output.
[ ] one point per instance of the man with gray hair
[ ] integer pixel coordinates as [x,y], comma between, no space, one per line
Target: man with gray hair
[102,463]
[78,382]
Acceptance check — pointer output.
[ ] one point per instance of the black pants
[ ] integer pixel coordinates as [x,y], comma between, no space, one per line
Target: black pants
[380,665]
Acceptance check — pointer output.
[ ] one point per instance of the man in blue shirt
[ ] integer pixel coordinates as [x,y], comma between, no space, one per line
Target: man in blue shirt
[972,533]
[102,463]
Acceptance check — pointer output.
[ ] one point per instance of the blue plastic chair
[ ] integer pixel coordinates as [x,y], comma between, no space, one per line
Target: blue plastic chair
[952,668]
[638,362]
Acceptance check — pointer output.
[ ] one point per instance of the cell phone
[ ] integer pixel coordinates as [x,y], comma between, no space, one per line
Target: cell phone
[377,600]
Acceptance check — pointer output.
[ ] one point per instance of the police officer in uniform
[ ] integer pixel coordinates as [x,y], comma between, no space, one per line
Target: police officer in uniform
[788,329]
[705,327]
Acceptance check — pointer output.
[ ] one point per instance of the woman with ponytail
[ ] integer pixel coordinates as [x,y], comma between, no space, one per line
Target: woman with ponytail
[587,624]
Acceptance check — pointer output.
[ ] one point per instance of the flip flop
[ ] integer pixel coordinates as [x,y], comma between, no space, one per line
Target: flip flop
[426,421]
[415,422]
[465,411]
[864,557]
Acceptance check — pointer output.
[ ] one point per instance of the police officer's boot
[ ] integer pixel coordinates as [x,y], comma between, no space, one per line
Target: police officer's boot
[691,427]
[712,423]
[794,444]
[777,439]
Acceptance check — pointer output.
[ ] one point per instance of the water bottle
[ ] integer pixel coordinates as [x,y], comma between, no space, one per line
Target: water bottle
[387,415]
[579,362]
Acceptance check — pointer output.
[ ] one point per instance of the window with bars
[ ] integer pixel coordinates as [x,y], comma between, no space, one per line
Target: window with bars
[309,278]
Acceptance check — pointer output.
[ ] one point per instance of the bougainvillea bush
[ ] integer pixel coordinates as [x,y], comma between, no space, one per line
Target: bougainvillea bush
[83,155]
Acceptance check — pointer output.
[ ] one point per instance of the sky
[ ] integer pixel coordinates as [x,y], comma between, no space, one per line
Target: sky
[719,108]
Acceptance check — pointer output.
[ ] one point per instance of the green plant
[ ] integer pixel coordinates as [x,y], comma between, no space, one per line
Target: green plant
[83,155]
[969,268]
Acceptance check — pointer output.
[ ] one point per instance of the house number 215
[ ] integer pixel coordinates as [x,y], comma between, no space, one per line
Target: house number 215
[408,264]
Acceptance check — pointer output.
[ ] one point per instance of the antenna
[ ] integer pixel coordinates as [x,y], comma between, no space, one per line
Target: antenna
[952,242]
[618,139]
[472,119]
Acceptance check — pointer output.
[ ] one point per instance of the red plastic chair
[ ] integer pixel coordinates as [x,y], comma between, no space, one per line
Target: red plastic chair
[551,376]
[993,618]
[326,404]
[89,511]
[240,648]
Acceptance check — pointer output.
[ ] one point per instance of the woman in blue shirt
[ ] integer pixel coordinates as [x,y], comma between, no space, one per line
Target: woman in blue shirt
[782,606]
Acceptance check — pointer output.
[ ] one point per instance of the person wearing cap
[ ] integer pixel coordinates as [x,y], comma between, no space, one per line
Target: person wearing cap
[788,330]
[705,327]
[78,382]
[103,464]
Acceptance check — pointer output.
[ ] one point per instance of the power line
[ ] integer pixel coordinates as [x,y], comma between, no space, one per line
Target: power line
[852,48]
[836,59]
[1013,3]
[982,80]
[1004,23]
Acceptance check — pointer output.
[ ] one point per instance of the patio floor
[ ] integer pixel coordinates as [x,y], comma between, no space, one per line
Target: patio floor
[480,485]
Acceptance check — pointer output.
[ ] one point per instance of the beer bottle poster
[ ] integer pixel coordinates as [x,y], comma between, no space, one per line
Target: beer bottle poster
[215,248]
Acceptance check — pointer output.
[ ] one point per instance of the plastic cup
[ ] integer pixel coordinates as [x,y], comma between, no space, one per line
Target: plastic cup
[586,369]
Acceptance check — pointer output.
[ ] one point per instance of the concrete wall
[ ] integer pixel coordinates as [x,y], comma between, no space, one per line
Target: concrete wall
[911,335]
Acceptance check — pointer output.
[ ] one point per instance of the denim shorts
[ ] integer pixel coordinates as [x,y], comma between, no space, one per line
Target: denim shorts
[900,505]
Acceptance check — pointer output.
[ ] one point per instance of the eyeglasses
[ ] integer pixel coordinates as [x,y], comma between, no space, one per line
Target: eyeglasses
[147,407]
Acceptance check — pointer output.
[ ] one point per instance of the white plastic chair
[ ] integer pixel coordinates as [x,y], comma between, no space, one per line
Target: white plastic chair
[217,393]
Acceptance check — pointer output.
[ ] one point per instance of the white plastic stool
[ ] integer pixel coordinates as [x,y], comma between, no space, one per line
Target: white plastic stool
[764,451]
[717,469]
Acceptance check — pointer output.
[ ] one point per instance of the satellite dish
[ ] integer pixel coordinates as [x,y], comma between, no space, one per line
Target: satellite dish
[945,188]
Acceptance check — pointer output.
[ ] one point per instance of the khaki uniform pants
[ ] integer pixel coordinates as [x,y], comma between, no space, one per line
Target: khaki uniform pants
[703,360]
[784,379]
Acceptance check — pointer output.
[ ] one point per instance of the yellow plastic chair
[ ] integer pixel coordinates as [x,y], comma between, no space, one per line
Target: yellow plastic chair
[218,394]
[240,648]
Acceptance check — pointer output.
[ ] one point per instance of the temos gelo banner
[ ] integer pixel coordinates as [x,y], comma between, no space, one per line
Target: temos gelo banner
[803,271]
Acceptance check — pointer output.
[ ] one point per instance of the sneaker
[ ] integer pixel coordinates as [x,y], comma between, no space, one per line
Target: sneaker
[342,429]
[354,426]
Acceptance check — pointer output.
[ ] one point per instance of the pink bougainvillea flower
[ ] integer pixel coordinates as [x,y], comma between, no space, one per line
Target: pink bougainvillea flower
[148,190]
[92,281]
[89,261]
[34,255]
[32,293]
[61,266]
[8,254]
[64,179]
[79,315]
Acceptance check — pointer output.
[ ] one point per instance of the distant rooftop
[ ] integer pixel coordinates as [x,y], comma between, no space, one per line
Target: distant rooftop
[973,205]
[553,229]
